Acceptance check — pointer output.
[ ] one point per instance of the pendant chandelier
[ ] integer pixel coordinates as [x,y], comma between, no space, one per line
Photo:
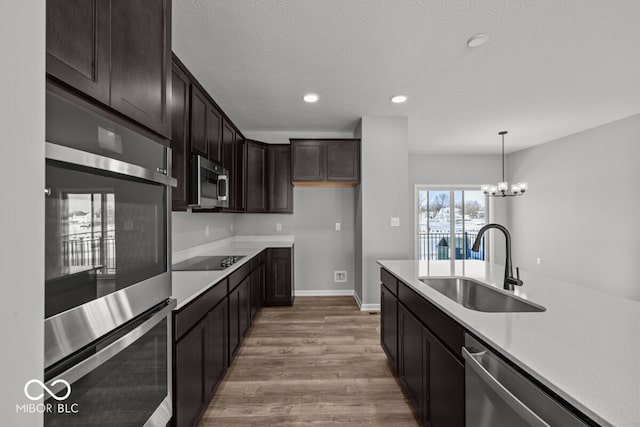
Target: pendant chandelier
[501,189]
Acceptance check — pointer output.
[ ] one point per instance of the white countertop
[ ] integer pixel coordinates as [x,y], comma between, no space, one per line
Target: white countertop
[585,347]
[186,285]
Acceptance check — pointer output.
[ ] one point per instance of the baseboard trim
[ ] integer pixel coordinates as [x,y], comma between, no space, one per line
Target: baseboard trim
[365,307]
[325,293]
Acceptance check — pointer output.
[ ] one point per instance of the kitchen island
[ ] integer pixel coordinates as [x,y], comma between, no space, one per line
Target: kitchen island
[585,347]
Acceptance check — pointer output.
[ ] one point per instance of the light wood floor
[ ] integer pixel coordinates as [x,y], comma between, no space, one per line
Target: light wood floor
[318,362]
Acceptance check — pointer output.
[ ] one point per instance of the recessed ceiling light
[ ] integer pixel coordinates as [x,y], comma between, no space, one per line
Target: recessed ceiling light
[477,40]
[398,99]
[310,97]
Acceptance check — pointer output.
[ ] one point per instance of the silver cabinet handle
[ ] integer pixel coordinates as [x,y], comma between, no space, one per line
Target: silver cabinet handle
[520,408]
[162,171]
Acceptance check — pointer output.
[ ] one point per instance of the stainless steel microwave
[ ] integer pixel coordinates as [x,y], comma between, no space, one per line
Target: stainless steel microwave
[209,186]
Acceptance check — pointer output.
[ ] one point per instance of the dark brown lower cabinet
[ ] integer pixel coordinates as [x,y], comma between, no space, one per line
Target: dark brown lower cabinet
[431,373]
[257,290]
[190,398]
[234,323]
[411,357]
[216,352]
[443,385]
[279,283]
[389,326]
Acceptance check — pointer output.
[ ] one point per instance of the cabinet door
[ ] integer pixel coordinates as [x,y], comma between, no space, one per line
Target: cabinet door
[444,382]
[244,306]
[216,349]
[389,326]
[213,132]
[234,323]
[410,360]
[179,137]
[199,107]
[280,196]
[308,159]
[238,173]
[256,177]
[78,33]
[255,292]
[190,398]
[279,286]
[343,160]
[229,158]
[140,61]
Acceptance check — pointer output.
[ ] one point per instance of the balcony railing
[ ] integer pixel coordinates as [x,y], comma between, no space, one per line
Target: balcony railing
[90,249]
[436,246]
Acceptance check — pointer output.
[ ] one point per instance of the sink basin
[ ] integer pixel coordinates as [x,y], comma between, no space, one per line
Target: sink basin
[480,297]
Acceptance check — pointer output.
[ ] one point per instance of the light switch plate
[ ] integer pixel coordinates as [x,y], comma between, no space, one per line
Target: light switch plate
[395,222]
[278,227]
[338,226]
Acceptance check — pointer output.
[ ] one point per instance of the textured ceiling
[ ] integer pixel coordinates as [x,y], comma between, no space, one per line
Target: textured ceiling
[550,68]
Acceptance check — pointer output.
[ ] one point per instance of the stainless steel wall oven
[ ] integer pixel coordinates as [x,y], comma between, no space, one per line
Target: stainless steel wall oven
[107,262]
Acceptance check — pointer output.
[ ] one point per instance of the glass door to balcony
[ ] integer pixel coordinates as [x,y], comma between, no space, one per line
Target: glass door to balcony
[448,220]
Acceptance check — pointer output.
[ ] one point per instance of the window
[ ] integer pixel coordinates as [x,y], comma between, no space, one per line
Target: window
[447,223]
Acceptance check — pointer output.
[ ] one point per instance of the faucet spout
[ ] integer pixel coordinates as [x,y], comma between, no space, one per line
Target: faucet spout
[509,280]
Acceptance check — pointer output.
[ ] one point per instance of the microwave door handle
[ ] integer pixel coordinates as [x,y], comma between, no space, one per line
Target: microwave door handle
[471,362]
[223,187]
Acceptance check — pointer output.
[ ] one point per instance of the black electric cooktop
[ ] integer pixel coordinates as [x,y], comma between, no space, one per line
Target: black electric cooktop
[203,263]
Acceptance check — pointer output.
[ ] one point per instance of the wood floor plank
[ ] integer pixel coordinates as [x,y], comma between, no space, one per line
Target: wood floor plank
[316,363]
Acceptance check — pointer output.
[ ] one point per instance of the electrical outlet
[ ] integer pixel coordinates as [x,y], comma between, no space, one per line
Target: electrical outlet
[278,227]
[338,226]
[206,230]
[339,276]
[538,260]
[231,227]
[395,222]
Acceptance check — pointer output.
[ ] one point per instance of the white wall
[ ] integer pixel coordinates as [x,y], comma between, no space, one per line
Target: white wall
[580,215]
[22,90]
[189,228]
[383,195]
[319,248]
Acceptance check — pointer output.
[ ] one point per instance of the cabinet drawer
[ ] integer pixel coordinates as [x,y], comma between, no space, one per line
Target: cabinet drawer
[389,281]
[444,327]
[237,276]
[198,308]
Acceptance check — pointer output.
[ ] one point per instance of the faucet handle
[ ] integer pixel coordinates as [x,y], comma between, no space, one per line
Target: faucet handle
[518,282]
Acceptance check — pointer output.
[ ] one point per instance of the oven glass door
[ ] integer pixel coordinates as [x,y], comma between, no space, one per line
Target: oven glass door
[121,381]
[104,232]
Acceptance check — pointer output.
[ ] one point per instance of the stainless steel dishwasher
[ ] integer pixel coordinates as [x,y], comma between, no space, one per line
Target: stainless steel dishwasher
[497,395]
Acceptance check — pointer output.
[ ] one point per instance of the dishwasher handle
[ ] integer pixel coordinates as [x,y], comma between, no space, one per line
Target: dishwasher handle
[471,361]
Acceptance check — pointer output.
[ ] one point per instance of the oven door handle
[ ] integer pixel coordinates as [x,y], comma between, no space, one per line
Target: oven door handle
[96,161]
[520,408]
[89,364]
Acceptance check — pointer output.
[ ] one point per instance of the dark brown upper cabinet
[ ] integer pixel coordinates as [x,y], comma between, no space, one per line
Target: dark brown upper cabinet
[117,52]
[213,132]
[308,160]
[280,189]
[180,137]
[326,162]
[238,172]
[199,107]
[140,61]
[78,44]
[256,177]
[343,160]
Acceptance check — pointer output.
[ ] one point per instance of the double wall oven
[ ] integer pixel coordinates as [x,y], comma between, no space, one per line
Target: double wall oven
[107,273]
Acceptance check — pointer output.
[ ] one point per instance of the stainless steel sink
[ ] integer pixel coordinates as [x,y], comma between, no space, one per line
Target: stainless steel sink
[478,296]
